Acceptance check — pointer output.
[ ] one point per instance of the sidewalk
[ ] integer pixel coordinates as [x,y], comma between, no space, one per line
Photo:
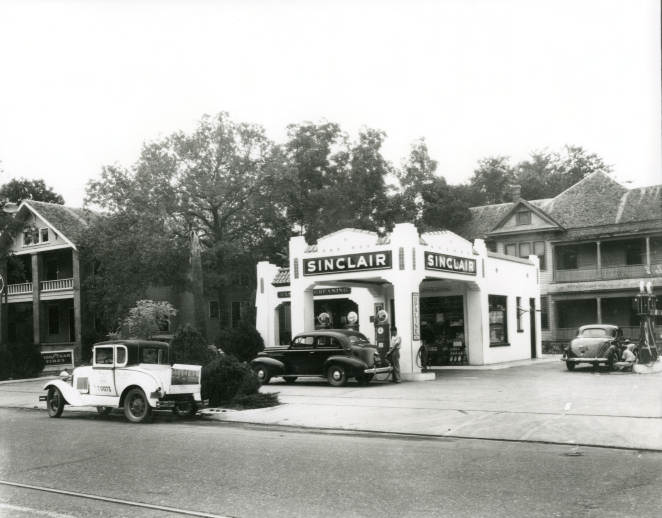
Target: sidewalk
[537,402]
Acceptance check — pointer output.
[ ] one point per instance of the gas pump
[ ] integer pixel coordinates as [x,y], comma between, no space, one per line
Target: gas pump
[645,305]
[382,333]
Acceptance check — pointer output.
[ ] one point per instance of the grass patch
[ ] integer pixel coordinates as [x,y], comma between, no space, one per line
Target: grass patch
[259,400]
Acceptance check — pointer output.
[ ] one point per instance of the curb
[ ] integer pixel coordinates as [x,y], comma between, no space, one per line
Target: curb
[404,435]
[25,380]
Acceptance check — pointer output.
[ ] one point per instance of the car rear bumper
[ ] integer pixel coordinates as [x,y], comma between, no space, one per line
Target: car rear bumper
[583,359]
[377,370]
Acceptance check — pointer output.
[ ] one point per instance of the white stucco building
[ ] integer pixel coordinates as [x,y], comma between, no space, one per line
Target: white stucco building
[468,304]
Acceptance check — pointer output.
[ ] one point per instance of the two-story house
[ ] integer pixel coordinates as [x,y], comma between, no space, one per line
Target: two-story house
[41,302]
[596,241]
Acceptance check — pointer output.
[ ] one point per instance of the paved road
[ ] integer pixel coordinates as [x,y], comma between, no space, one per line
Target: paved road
[234,470]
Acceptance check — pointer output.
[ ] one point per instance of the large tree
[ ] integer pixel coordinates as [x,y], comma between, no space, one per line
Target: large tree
[547,174]
[216,182]
[492,180]
[20,189]
[330,182]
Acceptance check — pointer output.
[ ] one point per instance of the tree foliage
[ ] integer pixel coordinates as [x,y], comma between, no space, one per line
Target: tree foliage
[547,174]
[20,189]
[147,318]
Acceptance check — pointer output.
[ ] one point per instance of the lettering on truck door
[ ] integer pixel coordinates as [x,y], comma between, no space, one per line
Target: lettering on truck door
[102,381]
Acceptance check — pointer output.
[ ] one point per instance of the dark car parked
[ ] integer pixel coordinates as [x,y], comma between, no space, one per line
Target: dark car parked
[596,344]
[337,354]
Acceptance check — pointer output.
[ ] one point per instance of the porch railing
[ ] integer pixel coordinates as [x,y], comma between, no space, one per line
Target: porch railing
[59,284]
[19,289]
[607,273]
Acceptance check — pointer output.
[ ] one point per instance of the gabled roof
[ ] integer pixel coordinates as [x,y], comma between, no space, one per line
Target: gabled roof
[515,206]
[68,222]
[595,201]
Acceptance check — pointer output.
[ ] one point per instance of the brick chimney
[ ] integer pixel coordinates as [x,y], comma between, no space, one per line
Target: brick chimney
[515,192]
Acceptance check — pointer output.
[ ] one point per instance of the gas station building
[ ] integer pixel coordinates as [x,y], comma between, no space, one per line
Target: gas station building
[467,304]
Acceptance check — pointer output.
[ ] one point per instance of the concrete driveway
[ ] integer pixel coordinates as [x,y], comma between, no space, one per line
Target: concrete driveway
[538,402]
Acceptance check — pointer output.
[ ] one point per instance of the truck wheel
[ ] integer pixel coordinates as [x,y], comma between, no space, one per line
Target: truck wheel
[54,402]
[570,366]
[262,374]
[104,410]
[337,376]
[136,407]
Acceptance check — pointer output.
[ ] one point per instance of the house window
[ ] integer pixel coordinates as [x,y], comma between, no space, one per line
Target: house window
[498,320]
[523,217]
[214,310]
[164,324]
[634,253]
[539,250]
[44,235]
[53,320]
[236,315]
[491,246]
[511,249]
[524,250]
[567,258]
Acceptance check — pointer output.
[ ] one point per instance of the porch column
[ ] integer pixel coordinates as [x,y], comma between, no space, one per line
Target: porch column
[78,327]
[598,302]
[598,255]
[3,307]
[36,285]
[648,252]
[551,317]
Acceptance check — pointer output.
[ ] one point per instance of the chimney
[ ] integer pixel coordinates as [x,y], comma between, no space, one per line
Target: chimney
[515,191]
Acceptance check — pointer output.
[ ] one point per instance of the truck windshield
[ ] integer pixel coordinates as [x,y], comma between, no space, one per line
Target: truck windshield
[154,355]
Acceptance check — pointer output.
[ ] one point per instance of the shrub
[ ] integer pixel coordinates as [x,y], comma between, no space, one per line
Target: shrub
[189,346]
[259,400]
[5,364]
[225,378]
[243,341]
[27,362]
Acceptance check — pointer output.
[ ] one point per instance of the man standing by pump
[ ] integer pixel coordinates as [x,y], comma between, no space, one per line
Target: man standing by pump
[394,355]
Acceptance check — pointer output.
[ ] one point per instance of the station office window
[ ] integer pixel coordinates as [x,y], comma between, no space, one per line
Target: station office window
[214,310]
[498,306]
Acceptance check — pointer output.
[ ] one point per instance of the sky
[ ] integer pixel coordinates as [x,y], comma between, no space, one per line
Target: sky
[85,83]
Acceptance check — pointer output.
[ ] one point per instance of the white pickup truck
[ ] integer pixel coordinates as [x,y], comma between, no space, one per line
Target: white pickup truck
[132,374]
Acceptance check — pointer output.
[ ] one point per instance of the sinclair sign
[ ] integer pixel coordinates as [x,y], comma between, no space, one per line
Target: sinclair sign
[348,263]
[449,263]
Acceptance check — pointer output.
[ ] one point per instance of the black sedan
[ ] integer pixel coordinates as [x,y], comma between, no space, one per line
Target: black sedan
[337,354]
